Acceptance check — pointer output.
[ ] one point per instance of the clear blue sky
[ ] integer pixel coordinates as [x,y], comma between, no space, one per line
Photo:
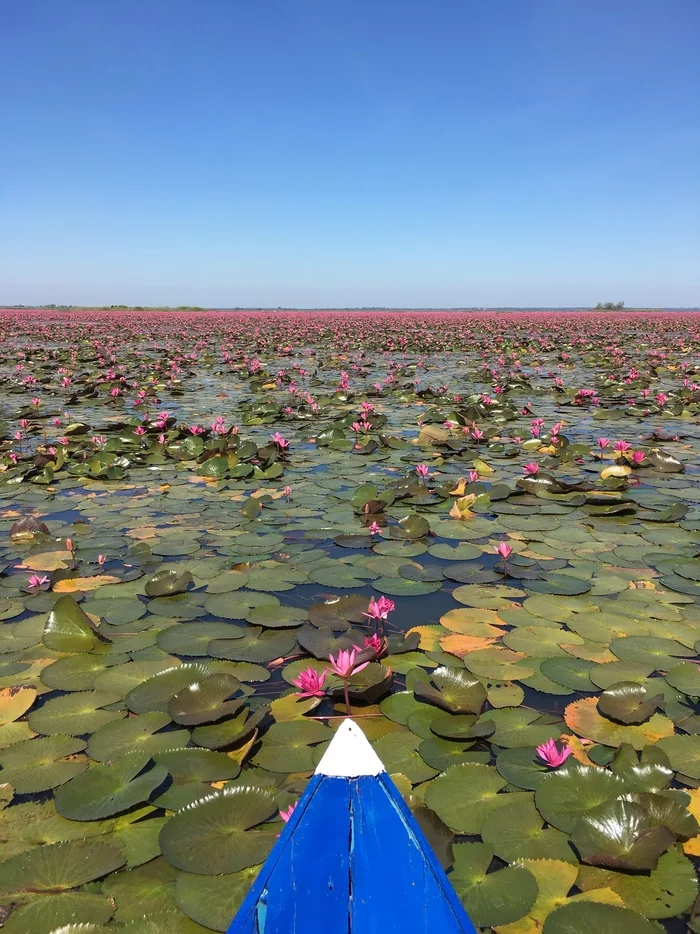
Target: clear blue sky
[350,152]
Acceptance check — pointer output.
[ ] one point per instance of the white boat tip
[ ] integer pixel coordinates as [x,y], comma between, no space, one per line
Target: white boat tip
[349,754]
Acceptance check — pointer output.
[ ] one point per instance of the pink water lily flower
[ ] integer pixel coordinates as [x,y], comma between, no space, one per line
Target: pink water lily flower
[372,642]
[422,470]
[36,583]
[504,550]
[531,468]
[473,476]
[622,446]
[375,529]
[637,457]
[379,609]
[310,683]
[279,440]
[285,815]
[344,664]
[552,755]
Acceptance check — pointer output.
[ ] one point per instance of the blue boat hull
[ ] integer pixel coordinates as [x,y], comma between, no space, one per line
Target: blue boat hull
[351,860]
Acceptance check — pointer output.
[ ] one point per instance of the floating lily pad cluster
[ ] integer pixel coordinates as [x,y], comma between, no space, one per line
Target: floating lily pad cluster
[197,509]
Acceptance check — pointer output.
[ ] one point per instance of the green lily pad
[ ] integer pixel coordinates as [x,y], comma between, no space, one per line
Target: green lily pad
[59,866]
[516,831]
[628,702]
[75,714]
[156,692]
[620,835]
[37,764]
[215,835]
[399,751]
[256,645]
[197,765]
[452,689]
[587,916]
[206,700]
[569,793]
[213,900]
[194,638]
[69,629]
[683,753]
[168,581]
[464,795]
[288,746]
[108,788]
[491,898]
[139,734]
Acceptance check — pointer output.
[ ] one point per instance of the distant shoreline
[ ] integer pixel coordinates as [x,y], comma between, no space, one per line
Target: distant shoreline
[187,309]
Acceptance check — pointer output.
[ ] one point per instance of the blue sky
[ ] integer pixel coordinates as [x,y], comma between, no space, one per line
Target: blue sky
[319,153]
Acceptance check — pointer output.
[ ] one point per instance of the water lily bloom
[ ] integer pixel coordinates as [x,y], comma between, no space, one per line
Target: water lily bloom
[287,492]
[35,582]
[101,560]
[603,443]
[422,470]
[374,529]
[473,476]
[661,398]
[531,468]
[69,544]
[36,402]
[379,609]
[196,430]
[310,683]
[550,753]
[372,642]
[477,434]
[504,550]
[285,815]
[622,446]
[344,664]
[638,457]
[279,440]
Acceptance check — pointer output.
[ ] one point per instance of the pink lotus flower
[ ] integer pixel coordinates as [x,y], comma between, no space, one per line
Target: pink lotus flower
[287,492]
[344,664]
[36,583]
[603,443]
[101,560]
[638,457]
[69,544]
[279,440]
[661,398]
[379,609]
[196,430]
[310,683]
[285,815]
[552,755]
[422,470]
[531,468]
[477,434]
[373,642]
[622,446]
[504,550]
[36,402]
[374,529]
[473,476]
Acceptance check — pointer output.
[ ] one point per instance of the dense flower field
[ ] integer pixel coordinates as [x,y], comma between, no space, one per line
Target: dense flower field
[478,534]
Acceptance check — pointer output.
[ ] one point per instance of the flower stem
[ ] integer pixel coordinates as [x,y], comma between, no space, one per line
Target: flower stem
[347,696]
